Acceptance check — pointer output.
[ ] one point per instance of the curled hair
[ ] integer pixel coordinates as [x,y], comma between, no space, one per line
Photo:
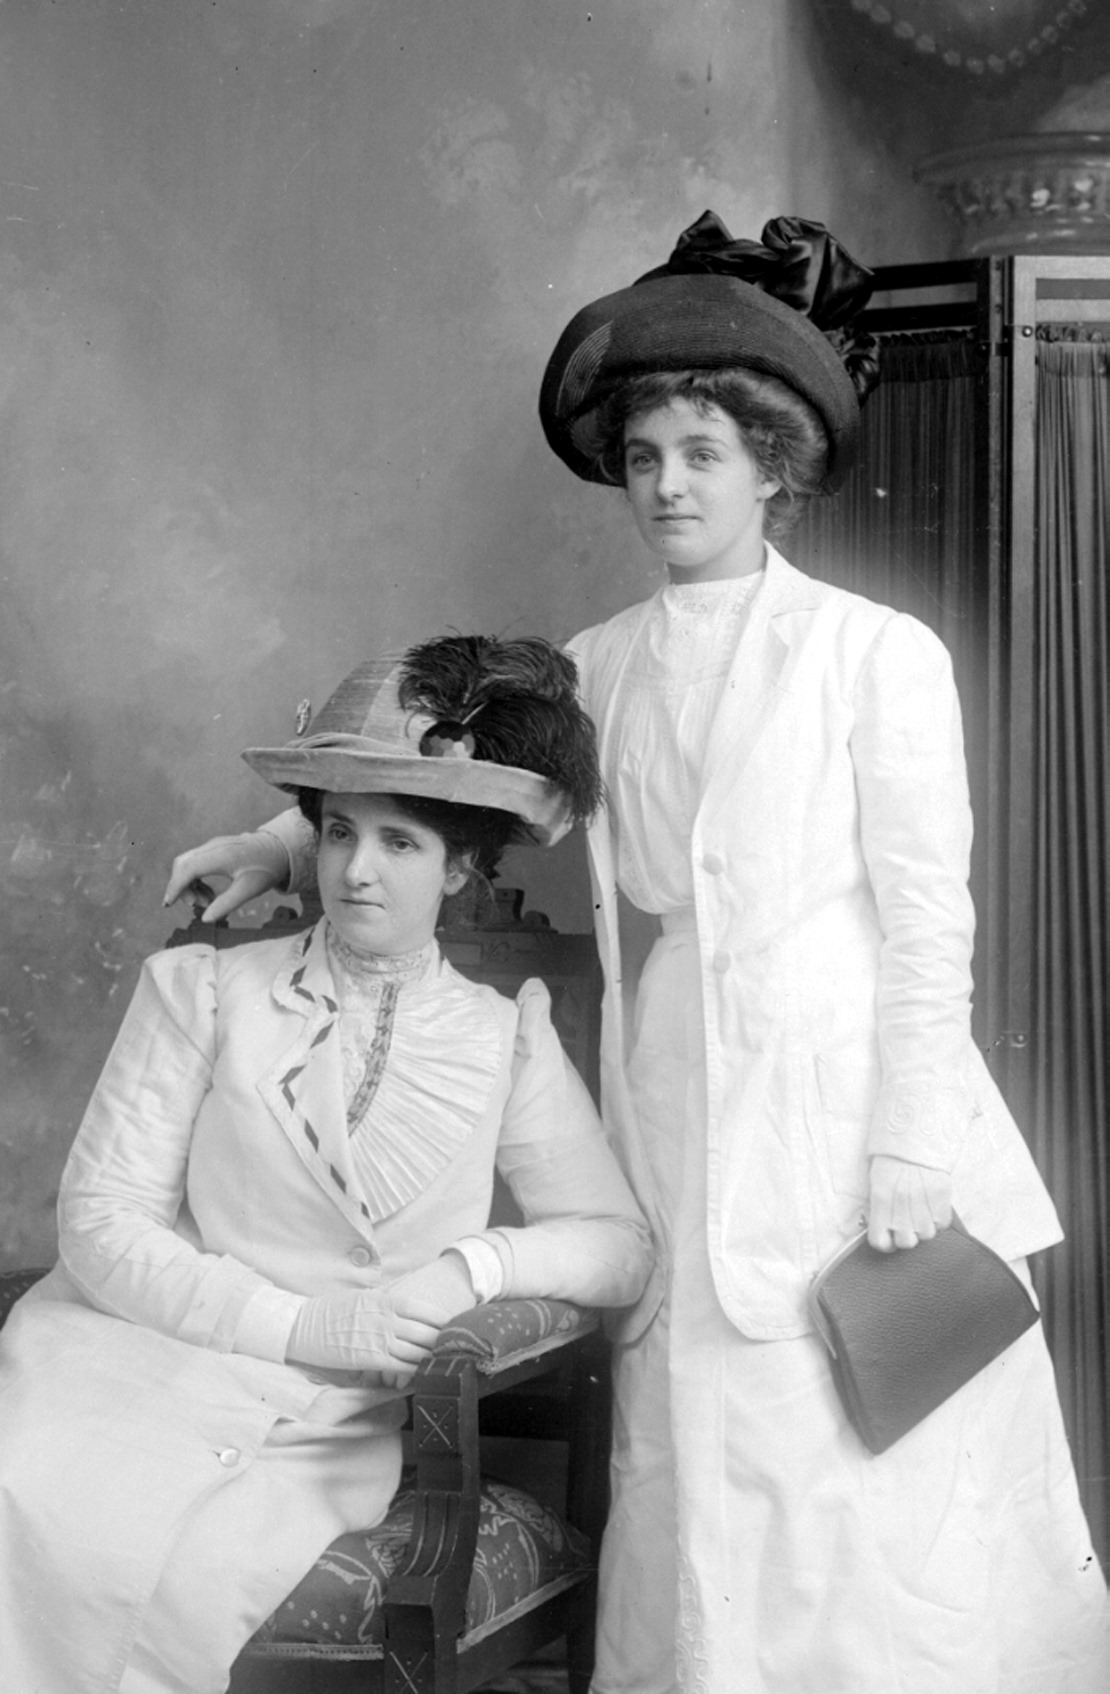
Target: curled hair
[781,431]
[474,837]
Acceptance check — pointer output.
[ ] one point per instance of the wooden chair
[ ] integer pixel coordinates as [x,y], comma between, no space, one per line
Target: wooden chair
[468,1576]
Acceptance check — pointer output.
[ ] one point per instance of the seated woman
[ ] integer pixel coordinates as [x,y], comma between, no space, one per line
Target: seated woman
[280,1193]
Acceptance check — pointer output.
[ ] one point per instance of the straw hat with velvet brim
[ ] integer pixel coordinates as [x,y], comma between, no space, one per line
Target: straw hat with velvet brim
[420,726]
[781,307]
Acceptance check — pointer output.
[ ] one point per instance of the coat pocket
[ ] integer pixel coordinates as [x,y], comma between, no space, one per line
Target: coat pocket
[846,1090]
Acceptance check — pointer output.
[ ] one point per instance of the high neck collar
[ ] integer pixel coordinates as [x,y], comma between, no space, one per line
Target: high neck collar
[391,967]
[723,595]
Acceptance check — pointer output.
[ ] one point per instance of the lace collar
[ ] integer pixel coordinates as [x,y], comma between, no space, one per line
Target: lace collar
[724,595]
[368,969]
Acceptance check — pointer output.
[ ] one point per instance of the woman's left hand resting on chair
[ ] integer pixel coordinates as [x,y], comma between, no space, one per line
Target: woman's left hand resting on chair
[387,1331]
[435,1293]
[908,1203]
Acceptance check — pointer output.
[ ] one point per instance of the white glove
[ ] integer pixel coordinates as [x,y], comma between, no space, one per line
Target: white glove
[360,1332]
[435,1293]
[908,1204]
[255,862]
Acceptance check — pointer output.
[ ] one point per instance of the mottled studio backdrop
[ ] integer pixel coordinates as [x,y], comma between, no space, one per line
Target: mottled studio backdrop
[277,282]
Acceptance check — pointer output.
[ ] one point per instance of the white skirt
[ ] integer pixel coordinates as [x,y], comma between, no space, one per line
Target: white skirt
[138,1550]
[754,1544]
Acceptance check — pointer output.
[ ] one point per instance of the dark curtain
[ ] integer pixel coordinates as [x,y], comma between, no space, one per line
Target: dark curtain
[1071,918]
[903,528]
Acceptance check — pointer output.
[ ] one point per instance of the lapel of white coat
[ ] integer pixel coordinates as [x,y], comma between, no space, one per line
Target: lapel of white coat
[304,1089]
[609,654]
[758,677]
[602,655]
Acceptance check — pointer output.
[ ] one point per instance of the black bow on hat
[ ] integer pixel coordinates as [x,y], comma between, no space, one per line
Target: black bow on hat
[782,306]
[798,262]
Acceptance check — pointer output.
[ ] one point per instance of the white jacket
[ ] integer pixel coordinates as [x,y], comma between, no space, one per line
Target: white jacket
[829,859]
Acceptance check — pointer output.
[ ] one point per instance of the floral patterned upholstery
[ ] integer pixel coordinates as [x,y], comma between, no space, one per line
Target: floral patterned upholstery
[503,1330]
[525,1553]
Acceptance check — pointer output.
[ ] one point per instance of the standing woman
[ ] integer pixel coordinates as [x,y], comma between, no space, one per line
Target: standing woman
[788,798]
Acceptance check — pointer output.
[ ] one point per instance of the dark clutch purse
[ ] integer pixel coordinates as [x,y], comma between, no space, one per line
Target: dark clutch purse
[904,1330]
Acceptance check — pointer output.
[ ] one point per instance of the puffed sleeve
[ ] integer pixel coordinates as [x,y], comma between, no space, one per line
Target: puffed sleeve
[124,1182]
[915,829]
[584,1237]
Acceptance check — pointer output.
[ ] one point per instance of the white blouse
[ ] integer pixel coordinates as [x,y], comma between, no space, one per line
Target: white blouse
[404,1113]
[665,703]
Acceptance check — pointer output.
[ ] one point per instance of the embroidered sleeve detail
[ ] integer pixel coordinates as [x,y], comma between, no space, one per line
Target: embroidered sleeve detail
[925,1123]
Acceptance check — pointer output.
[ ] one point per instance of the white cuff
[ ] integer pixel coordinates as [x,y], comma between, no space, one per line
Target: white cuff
[924,1123]
[297,839]
[266,1323]
[484,1264]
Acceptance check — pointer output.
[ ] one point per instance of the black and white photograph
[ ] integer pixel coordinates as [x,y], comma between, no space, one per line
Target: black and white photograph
[554,847]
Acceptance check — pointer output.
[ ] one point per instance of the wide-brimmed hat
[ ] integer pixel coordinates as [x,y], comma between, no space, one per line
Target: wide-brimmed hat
[467,719]
[780,307]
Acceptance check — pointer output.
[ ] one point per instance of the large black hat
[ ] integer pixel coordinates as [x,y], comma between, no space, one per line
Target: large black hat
[780,307]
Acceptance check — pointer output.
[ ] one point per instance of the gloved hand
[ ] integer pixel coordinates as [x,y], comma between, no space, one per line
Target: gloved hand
[435,1293]
[908,1203]
[255,862]
[360,1332]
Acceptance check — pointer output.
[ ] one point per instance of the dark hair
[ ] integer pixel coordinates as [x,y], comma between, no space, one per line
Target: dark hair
[474,837]
[781,431]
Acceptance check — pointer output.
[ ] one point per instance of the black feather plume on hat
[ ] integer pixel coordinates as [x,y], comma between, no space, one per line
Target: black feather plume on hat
[508,702]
